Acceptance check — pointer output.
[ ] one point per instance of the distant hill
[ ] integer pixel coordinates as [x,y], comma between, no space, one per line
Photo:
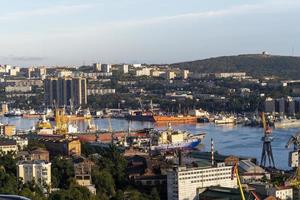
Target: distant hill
[257,65]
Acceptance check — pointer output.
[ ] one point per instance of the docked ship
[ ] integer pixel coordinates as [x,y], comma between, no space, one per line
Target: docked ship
[225,120]
[287,123]
[174,119]
[140,116]
[174,139]
[14,113]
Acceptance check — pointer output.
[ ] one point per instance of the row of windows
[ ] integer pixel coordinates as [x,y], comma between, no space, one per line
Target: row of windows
[205,171]
[211,175]
[211,179]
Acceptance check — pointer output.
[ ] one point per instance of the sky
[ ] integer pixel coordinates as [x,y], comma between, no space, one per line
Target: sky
[76,32]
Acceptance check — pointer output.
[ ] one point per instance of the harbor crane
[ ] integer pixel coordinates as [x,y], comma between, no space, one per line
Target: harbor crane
[267,147]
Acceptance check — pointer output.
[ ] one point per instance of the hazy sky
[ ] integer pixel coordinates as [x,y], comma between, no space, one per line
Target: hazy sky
[73,32]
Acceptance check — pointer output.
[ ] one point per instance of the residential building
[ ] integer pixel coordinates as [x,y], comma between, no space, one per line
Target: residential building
[264,189]
[97,66]
[170,75]
[65,91]
[18,89]
[187,183]
[8,145]
[106,68]
[185,74]
[37,170]
[143,72]
[7,129]
[39,154]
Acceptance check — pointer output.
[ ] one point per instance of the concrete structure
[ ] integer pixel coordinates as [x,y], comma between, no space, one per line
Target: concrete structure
[8,145]
[187,183]
[37,170]
[83,171]
[65,91]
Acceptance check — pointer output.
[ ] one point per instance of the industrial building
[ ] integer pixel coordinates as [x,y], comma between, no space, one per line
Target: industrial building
[283,106]
[65,91]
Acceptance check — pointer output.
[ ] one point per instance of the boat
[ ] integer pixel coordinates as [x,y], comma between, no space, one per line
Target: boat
[140,116]
[43,126]
[174,139]
[287,123]
[225,120]
[174,119]
[14,113]
[202,119]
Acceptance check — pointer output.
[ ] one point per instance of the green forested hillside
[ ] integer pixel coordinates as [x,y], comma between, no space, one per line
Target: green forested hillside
[254,64]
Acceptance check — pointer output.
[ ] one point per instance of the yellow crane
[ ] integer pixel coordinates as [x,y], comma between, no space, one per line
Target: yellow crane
[236,173]
[61,122]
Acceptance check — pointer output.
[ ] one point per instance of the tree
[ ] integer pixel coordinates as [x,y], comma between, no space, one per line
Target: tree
[62,172]
[154,194]
[104,182]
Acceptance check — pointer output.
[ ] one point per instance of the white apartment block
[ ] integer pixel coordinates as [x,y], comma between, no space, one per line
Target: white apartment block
[37,170]
[187,183]
[143,72]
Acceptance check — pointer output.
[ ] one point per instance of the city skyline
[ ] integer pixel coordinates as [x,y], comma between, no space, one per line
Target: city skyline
[130,31]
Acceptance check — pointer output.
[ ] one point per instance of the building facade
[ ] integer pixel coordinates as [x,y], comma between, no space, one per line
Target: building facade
[65,91]
[37,170]
[187,183]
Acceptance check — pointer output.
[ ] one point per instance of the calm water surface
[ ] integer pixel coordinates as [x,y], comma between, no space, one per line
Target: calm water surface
[229,140]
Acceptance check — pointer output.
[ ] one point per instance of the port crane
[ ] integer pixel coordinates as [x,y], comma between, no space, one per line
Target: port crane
[267,147]
[61,121]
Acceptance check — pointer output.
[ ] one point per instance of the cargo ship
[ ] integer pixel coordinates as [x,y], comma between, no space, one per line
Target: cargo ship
[287,123]
[174,119]
[140,116]
[172,139]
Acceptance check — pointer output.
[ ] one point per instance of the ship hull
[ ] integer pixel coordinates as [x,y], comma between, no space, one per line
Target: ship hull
[148,118]
[191,144]
[175,119]
[292,124]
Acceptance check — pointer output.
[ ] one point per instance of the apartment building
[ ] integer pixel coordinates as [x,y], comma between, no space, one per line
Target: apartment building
[37,170]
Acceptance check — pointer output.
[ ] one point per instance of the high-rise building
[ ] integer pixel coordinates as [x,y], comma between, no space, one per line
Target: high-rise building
[269,105]
[188,183]
[65,91]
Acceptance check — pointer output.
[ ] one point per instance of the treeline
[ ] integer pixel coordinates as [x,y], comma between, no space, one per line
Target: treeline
[257,65]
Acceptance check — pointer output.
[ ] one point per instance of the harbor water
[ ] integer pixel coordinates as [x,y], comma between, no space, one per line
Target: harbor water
[228,139]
